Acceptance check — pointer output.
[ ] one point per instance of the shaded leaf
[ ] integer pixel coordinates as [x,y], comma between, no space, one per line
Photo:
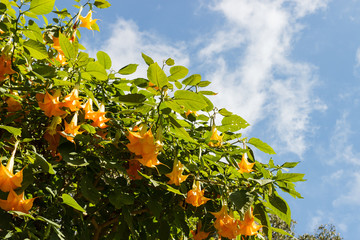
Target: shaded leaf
[68,200]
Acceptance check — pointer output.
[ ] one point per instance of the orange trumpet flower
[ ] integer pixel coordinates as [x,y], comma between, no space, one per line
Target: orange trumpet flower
[71,100]
[16,202]
[9,180]
[99,117]
[245,166]
[195,196]
[87,21]
[71,129]
[215,139]
[50,104]
[225,224]
[5,68]
[144,145]
[176,176]
[248,226]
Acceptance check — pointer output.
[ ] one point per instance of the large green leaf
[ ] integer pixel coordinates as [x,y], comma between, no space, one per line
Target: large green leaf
[12,130]
[96,70]
[193,80]
[135,98]
[36,49]
[190,100]
[67,47]
[148,60]
[242,200]
[262,146]
[104,59]
[88,189]
[68,200]
[156,75]
[278,206]
[45,165]
[178,72]
[41,7]
[291,177]
[232,123]
[128,69]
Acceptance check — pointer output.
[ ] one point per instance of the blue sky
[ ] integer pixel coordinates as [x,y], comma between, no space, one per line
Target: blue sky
[291,68]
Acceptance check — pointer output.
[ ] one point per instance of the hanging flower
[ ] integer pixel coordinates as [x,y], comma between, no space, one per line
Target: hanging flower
[132,171]
[52,135]
[71,129]
[215,139]
[225,224]
[198,234]
[5,68]
[16,202]
[245,166]
[248,226]
[176,176]
[88,109]
[87,21]
[50,104]
[61,56]
[71,100]
[99,118]
[195,196]
[9,180]
[143,144]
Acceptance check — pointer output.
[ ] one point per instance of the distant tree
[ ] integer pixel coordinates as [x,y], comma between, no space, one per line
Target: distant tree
[323,232]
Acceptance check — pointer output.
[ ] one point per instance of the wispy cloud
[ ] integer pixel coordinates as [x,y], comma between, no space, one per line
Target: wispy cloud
[262,81]
[127,42]
[247,59]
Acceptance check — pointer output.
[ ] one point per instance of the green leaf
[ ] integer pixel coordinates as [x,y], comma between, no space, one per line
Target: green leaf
[68,200]
[41,7]
[88,128]
[119,199]
[261,214]
[193,80]
[45,165]
[161,184]
[128,69]
[169,62]
[278,206]
[190,100]
[12,130]
[290,177]
[210,105]
[36,49]
[242,200]
[208,93]
[290,164]
[96,70]
[67,47]
[264,147]
[232,123]
[104,59]
[178,72]
[278,230]
[148,60]
[102,4]
[182,134]
[2,8]
[156,75]
[164,230]
[225,112]
[135,98]
[203,84]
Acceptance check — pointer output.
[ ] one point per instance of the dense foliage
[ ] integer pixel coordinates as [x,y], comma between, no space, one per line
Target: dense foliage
[90,153]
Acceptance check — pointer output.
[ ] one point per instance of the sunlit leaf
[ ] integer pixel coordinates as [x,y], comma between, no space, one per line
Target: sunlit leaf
[68,200]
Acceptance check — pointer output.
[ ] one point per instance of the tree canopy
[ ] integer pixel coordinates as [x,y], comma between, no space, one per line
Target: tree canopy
[91,153]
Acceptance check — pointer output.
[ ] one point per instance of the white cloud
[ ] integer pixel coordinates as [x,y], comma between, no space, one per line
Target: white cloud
[352,197]
[342,148]
[264,83]
[247,59]
[127,42]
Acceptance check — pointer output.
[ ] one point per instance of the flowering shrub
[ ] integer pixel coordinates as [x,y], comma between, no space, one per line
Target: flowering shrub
[99,155]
